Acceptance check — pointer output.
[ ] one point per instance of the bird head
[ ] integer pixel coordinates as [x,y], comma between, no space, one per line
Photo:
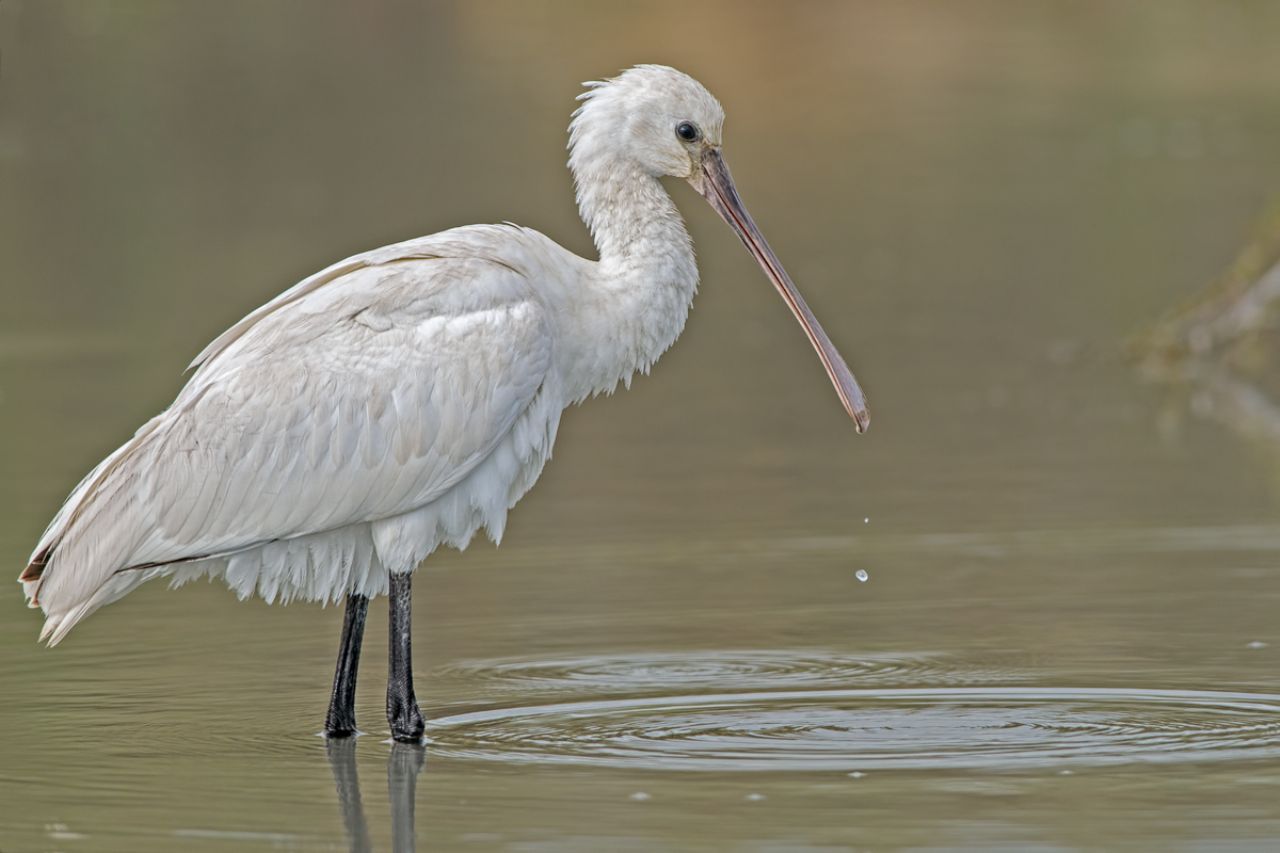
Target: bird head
[654,117]
[660,122]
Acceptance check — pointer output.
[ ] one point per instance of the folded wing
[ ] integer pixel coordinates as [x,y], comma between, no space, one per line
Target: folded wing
[364,396]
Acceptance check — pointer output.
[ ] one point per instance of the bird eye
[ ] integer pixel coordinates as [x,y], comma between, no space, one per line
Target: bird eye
[687,131]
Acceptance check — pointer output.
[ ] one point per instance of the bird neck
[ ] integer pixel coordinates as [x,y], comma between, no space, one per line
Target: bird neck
[639,297]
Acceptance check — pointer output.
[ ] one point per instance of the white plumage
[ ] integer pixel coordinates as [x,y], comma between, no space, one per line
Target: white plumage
[403,398]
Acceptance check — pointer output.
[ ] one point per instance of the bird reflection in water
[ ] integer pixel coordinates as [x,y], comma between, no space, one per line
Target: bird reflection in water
[403,766]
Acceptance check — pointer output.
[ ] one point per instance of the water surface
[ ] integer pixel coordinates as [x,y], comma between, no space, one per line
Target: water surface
[1067,637]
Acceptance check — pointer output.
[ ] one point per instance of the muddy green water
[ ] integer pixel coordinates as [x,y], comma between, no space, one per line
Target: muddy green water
[1068,637]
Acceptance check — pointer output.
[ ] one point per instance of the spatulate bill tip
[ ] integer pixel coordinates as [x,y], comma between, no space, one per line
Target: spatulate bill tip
[861,420]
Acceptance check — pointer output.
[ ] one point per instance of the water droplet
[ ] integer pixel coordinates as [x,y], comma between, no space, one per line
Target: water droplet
[866,520]
[1066,772]
[755,798]
[640,796]
[857,774]
[1257,644]
[861,575]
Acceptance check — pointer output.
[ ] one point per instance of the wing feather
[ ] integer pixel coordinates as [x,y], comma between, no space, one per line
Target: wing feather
[364,392]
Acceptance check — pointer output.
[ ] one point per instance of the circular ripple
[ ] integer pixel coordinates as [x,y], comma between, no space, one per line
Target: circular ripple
[728,670]
[992,728]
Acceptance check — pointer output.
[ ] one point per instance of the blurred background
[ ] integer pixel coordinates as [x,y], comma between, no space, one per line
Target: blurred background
[983,202]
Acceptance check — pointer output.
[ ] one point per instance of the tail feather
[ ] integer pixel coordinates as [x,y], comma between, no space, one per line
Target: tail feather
[35,568]
[58,624]
[31,575]
[50,626]
[64,576]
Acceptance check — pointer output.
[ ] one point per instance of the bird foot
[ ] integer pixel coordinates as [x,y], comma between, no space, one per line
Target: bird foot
[408,733]
[340,733]
[407,725]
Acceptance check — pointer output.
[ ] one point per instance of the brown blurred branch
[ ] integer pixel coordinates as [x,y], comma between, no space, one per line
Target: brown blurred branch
[1232,313]
[1214,349]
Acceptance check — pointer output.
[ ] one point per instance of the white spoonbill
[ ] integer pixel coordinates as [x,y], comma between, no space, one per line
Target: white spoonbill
[405,397]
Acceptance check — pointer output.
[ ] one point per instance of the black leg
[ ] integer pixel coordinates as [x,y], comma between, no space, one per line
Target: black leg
[341,720]
[402,707]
